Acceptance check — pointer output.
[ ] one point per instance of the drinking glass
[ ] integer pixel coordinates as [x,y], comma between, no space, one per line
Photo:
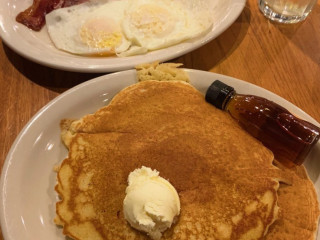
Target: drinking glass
[286,11]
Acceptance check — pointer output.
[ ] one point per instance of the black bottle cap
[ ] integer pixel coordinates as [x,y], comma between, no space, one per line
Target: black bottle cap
[218,93]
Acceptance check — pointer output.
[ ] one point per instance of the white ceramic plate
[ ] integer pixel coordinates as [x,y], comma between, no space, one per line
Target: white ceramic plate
[27,181]
[38,47]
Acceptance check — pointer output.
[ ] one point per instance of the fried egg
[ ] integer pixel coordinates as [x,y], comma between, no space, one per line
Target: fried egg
[91,28]
[127,27]
[155,24]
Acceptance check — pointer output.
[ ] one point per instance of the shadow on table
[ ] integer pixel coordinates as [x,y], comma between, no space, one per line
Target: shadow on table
[219,49]
[301,34]
[53,79]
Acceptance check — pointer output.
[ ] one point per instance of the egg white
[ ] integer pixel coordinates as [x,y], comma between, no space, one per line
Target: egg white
[155,24]
[127,27]
[90,28]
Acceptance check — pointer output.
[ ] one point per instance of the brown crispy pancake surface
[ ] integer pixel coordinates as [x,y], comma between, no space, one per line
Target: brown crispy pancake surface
[299,210]
[225,178]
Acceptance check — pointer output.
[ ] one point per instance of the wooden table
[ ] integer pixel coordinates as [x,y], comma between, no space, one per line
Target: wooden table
[284,59]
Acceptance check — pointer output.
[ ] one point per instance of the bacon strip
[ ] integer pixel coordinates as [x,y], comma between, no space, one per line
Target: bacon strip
[34,16]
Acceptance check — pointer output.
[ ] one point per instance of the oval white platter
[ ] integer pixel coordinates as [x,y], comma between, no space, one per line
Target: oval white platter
[37,46]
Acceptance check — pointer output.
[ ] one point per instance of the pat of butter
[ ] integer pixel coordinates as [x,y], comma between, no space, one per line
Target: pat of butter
[151,204]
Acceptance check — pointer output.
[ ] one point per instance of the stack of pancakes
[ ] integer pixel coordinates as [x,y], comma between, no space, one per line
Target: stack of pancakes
[226,180]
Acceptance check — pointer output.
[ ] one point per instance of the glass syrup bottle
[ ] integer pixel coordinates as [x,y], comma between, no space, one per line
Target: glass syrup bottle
[288,137]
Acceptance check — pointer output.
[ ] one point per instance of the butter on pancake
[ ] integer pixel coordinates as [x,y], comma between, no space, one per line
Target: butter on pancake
[225,178]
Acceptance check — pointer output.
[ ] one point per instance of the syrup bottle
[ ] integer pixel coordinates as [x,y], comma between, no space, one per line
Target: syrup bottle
[288,137]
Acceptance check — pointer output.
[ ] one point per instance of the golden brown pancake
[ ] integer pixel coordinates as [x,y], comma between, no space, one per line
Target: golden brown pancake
[225,178]
[299,210]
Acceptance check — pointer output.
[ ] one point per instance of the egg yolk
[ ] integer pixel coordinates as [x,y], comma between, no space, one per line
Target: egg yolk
[101,33]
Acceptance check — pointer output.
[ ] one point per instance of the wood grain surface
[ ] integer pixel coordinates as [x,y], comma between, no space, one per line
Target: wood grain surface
[284,59]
